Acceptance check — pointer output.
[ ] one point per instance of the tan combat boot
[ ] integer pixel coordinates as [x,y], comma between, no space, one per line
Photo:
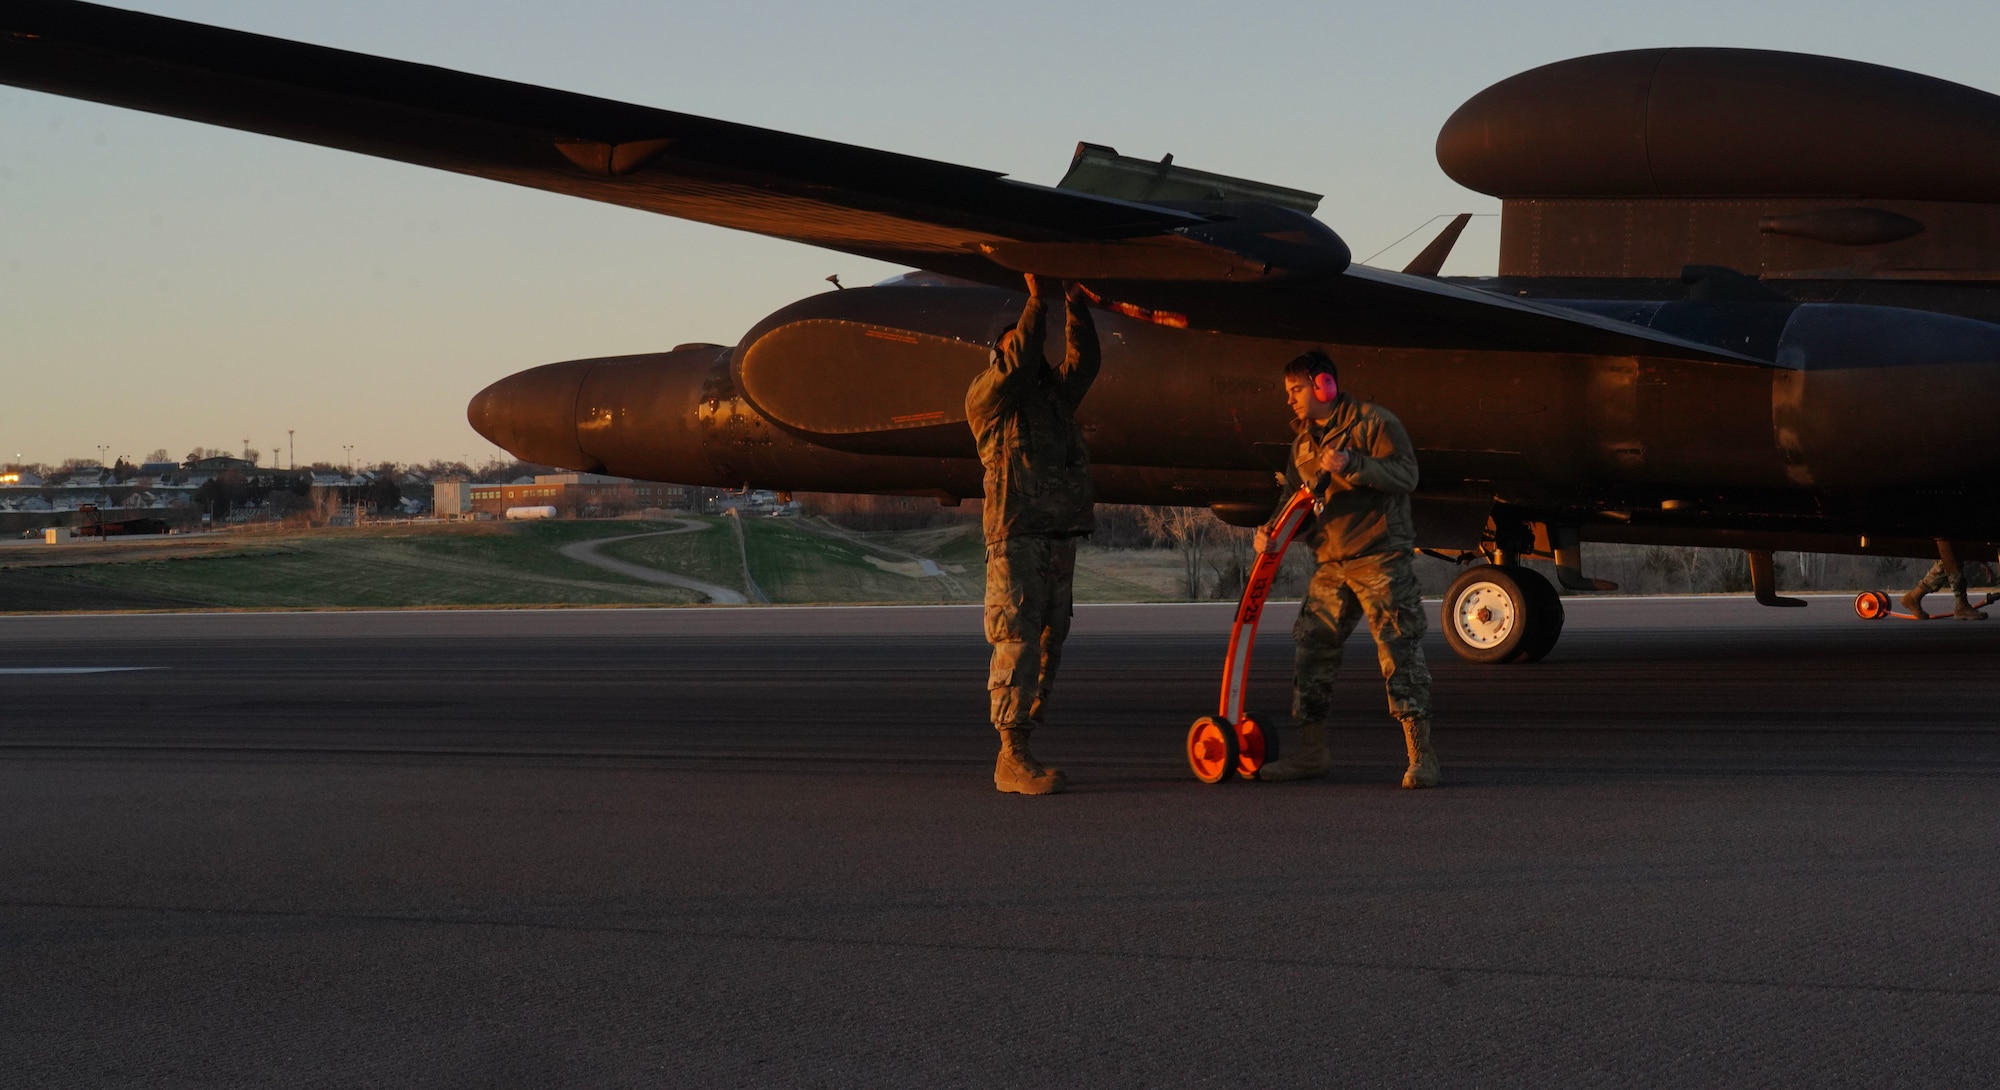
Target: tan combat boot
[1017,772]
[1309,761]
[1966,611]
[1423,771]
[1913,601]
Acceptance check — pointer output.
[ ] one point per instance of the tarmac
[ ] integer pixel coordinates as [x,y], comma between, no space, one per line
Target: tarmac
[1703,844]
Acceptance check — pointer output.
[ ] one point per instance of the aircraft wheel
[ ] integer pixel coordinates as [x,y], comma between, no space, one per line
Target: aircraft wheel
[1488,614]
[1211,749]
[1545,615]
[1871,605]
[1256,745]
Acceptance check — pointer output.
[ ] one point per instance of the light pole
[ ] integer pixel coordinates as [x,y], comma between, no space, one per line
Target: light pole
[102,450]
[349,448]
[291,451]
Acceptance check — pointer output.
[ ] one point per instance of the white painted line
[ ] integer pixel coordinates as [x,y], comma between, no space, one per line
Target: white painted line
[74,669]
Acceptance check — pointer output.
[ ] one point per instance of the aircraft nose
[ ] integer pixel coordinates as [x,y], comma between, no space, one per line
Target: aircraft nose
[532,414]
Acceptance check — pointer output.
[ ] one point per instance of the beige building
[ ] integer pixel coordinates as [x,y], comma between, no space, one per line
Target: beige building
[574,495]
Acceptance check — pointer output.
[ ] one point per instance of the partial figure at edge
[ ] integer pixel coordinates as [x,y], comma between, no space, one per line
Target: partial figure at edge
[1949,572]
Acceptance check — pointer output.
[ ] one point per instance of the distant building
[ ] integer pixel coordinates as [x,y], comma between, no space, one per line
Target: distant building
[449,499]
[219,464]
[575,495]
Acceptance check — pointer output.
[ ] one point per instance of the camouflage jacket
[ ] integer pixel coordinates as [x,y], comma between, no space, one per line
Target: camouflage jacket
[1023,417]
[1367,508]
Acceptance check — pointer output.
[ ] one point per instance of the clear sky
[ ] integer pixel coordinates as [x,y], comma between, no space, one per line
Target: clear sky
[167,284]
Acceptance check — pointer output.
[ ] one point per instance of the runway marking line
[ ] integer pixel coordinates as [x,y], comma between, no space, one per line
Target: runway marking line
[1080,606]
[15,671]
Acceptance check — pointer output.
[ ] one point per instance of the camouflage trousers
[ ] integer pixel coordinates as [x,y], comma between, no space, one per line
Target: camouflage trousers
[1941,577]
[1028,607]
[1382,588]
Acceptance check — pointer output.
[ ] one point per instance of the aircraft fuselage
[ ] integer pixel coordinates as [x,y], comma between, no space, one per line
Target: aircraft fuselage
[862,391]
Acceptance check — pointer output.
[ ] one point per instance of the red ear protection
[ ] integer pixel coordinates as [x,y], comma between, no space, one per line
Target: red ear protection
[1325,388]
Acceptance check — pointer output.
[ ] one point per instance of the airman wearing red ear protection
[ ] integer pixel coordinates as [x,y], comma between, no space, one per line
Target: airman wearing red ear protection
[1363,540]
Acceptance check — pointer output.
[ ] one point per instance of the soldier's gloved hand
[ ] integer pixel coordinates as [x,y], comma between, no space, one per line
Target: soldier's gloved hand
[1260,541]
[1335,461]
[1037,286]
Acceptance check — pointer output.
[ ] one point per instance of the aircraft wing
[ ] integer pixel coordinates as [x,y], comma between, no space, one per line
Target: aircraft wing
[1376,307]
[1229,266]
[899,208]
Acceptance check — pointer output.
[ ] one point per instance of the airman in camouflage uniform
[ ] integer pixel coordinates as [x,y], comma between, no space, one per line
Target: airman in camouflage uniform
[1364,468]
[1039,500]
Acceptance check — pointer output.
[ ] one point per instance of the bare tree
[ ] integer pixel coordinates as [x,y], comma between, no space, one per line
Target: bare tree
[1679,560]
[325,504]
[1190,531]
[1690,564]
[1812,569]
[1234,556]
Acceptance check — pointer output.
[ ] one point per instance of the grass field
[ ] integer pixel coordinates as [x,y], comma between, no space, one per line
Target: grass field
[794,567]
[801,561]
[794,561]
[464,564]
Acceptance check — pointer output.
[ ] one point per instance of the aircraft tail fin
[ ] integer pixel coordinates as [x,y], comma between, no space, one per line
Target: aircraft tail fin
[1431,261]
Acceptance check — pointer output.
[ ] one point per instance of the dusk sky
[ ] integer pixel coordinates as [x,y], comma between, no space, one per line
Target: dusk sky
[169,284]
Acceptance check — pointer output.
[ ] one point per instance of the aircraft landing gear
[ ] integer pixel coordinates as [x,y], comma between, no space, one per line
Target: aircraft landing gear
[1501,613]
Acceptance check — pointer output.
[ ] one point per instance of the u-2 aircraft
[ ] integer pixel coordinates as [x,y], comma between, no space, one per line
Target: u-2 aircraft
[1746,299]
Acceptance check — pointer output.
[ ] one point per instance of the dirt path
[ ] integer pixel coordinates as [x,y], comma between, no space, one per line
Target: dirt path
[735,516]
[586,552]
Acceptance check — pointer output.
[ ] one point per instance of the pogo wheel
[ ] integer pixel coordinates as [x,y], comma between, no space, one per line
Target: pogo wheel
[1256,745]
[1871,605]
[1211,749]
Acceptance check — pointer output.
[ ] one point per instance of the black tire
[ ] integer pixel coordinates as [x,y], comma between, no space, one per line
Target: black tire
[1545,615]
[1486,614]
